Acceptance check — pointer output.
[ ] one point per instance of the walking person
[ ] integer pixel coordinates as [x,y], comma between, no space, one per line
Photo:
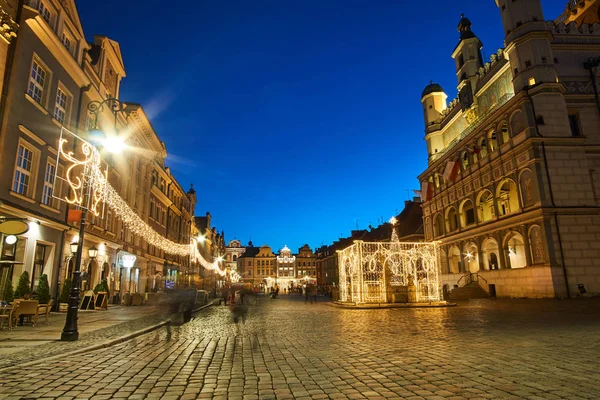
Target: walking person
[225,295]
[306,293]
[313,293]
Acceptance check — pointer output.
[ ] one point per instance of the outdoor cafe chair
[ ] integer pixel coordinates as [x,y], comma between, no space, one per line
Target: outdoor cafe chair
[28,308]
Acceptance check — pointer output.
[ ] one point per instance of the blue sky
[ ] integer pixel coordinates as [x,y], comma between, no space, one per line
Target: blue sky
[296,120]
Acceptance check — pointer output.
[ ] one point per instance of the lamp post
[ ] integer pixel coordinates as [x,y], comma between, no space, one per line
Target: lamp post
[70,331]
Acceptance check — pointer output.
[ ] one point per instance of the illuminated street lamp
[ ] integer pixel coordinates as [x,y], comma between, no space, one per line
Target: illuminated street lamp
[92,252]
[113,144]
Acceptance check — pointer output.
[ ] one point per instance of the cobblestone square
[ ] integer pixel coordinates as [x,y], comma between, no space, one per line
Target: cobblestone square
[484,349]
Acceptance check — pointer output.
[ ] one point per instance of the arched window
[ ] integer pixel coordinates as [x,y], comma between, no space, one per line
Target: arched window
[438,229]
[517,122]
[471,257]
[485,206]
[482,146]
[503,129]
[464,159]
[490,252]
[444,262]
[451,220]
[454,260]
[428,228]
[515,249]
[508,198]
[467,213]
[492,141]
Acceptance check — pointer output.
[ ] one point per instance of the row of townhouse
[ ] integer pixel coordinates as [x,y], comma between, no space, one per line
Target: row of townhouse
[262,268]
[210,246]
[50,74]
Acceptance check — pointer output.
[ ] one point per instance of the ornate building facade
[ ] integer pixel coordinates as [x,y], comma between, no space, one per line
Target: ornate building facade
[52,74]
[511,187]
[232,252]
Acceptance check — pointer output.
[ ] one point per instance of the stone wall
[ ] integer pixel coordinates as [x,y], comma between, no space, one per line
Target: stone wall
[531,282]
[580,237]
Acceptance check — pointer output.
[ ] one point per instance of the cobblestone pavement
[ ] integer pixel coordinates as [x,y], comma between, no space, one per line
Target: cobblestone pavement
[52,347]
[485,349]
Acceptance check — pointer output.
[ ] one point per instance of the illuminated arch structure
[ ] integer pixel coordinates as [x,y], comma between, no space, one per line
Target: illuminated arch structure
[371,271]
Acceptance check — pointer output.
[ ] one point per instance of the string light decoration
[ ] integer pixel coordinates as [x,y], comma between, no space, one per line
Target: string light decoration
[87,174]
[371,271]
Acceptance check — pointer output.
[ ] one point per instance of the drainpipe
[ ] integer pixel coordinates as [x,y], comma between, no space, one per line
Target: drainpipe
[560,244]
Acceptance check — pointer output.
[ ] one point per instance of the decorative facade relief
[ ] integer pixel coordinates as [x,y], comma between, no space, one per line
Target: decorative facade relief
[537,248]
[8,27]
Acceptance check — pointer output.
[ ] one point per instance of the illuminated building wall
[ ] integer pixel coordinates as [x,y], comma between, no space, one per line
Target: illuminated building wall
[511,187]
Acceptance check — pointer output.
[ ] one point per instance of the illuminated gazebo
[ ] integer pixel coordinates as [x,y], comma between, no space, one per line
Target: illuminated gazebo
[383,272]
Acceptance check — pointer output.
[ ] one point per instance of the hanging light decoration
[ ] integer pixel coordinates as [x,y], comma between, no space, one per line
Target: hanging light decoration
[88,173]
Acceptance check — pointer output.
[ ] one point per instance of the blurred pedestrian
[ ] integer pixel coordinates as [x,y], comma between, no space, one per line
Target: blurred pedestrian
[225,294]
[313,293]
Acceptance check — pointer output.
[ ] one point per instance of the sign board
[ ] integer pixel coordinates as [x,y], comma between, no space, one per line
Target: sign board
[87,303]
[101,300]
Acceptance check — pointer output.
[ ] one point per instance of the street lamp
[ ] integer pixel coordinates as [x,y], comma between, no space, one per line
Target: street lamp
[70,331]
[74,246]
[92,252]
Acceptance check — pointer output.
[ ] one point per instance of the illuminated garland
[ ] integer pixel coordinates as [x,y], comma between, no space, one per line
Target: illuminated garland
[87,174]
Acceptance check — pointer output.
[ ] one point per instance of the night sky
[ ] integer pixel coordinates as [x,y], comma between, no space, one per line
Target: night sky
[296,120]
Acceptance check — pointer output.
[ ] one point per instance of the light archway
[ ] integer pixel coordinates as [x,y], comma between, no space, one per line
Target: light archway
[485,206]
[471,257]
[491,253]
[454,260]
[515,248]
[508,197]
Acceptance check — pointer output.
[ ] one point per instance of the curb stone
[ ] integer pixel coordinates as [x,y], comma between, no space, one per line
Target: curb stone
[103,345]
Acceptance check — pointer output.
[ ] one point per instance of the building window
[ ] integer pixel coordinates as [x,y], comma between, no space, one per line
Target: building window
[23,170]
[68,41]
[574,124]
[109,221]
[62,106]
[45,12]
[48,184]
[37,82]
[38,265]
